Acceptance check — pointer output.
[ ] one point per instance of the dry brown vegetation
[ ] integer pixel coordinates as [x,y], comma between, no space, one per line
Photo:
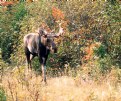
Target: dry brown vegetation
[20,85]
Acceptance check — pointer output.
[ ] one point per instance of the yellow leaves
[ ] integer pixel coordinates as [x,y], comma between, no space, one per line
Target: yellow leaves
[57,14]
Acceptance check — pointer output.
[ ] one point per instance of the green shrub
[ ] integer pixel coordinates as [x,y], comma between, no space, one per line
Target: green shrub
[101,51]
[2,95]
[105,64]
[111,34]
[10,29]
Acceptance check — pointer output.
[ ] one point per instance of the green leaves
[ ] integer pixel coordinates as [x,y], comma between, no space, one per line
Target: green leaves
[101,51]
[10,29]
[2,95]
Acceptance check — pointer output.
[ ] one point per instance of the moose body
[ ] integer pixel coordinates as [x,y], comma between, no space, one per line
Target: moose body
[40,44]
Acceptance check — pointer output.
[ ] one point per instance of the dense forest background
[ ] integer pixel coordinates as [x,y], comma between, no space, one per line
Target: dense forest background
[90,45]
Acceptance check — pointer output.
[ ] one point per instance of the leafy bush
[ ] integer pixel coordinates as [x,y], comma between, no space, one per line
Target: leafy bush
[10,29]
[111,34]
[105,65]
[101,51]
[2,95]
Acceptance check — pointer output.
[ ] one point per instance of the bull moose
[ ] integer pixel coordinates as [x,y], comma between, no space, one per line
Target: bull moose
[40,44]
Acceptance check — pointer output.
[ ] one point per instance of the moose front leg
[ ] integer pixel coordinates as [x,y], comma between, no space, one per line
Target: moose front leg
[43,73]
[43,67]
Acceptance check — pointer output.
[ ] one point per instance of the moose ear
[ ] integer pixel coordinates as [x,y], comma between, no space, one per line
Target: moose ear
[56,36]
[44,35]
[41,31]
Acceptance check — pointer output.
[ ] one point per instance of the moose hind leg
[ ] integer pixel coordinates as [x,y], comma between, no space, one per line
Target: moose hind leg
[27,53]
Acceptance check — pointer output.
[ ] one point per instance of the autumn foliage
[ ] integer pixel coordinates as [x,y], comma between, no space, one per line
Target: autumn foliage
[89,50]
[57,14]
[6,3]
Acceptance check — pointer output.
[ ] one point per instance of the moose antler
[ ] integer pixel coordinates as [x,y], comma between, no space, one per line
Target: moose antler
[60,32]
[42,31]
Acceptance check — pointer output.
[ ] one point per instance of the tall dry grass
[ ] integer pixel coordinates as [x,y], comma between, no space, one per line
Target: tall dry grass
[20,85]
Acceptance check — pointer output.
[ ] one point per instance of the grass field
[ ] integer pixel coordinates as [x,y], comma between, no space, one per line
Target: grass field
[27,86]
